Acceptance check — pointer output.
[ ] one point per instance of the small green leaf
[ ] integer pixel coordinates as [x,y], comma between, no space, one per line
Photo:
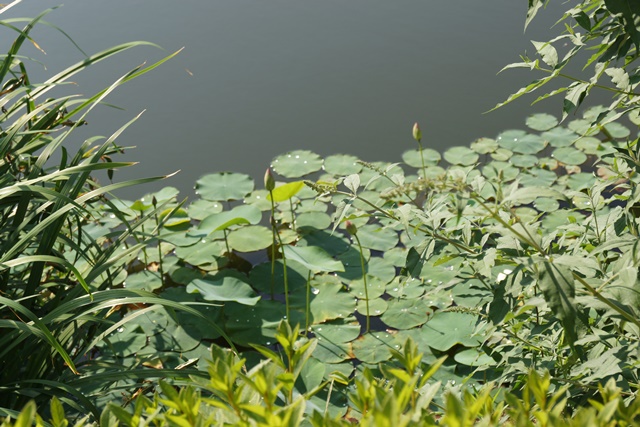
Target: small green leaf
[224,289]
[286,191]
[313,258]
[224,186]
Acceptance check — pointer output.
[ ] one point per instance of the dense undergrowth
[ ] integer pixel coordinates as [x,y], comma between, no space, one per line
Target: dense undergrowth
[490,284]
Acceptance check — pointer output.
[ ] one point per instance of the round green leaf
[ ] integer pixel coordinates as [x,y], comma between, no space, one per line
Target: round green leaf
[250,239]
[583,127]
[474,357]
[463,156]
[569,156]
[262,279]
[377,238]
[144,280]
[377,306]
[448,328]
[297,163]
[412,157]
[524,160]
[224,289]
[259,199]
[501,154]
[546,204]
[286,191]
[406,314]
[375,347]
[484,145]
[328,301]
[342,165]
[617,130]
[541,121]
[224,186]
[201,208]
[308,221]
[560,137]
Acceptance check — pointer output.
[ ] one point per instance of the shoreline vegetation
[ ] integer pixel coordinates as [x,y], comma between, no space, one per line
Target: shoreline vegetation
[495,283]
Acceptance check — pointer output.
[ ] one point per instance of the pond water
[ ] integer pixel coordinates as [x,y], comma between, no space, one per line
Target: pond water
[258,78]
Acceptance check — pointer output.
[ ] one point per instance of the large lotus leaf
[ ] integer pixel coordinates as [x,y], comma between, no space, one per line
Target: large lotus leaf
[413,159]
[339,330]
[546,204]
[243,214]
[375,347]
[505,171]
[471,293]
[406,314]
[179,238]
[297,163]
[541,121]
[285,191]
[381,270]
[377,238]
[448,328]
[509,138]
[178,337]
[377,306]
[203,252]
[463,156]
[179,218]
[224,186]
[524,160]
[328,302]
[250,239]
[592,146]
[396,256]
[580,181]
[213,312]
[560,137]
[262,279]
[125,341]
[583,127]
[474,357]
[405,287]
[257,324]
[529,144]
[310,221]
[418,338]
[313,258]
[617,130]
[200,209]
[538,178]
[342,165]
[375,287]
[332,351]
[311,206]
[501,154]
[332,243]
[258,198]
[144,280]
[224,289]
[484,145]
[569,156]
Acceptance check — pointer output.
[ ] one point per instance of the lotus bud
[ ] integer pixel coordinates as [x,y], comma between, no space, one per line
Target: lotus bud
[417,134]
[351,228]
[269,182]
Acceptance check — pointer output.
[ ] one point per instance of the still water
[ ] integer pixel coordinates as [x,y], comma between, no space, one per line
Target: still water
[258,78]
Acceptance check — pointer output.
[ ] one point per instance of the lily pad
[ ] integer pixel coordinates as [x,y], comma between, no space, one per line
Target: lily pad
[309,221]
[463,156]
[377,306]
[524,160]
[569,156]
[144,280]
[313,258]
[474,357]
[484,145]
[262,279]
[286,191]
[224,289]
[243,214]
[297,163]
[560,137]
[341,330]
[342,164]
[257,324]
[124,341]
[546,204]
[375,347]
[406,314]
[501,154]
[448,328]
[224,186]
[377,238]
[328,301]
[203,252]
[412,157]
[201,208]
[250,239]
[258,198]
[541,121]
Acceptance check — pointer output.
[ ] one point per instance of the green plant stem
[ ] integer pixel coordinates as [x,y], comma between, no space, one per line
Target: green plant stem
[308,304]
[284,259]
[424,168]
[274,231]
[364,278]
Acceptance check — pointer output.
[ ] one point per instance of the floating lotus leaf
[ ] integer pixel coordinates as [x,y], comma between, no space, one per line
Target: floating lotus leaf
[377,238]
[153,321]
[396,256]
[509,138]
[526,214]
[250,239]
[405,287]
[224,289]
[471,293]
[377,306]
[593,112]
[375,287]
[243,214]
[581,181]
[257,324]
[372,197]
[286,191]
[126,340]
[433,172]
[332,351]
[382,270]
[591,146]
[144,280]
[179,337]
[342,164]
[541,121]
[418,338]
[191,322]
[375,347]
[203,252]
[258,198]
[334,244]
[524,160]
[261,278]
[538,178]
[166,193]
[484,145]
[311,375]
[559,218]
[546,204]
[313,258]
[569,156]
[560,137]
[200,209]
[474,357]
[617,130]
[311,206]
[463,156]
[501,154]
[309,221]
[634,117]
[412,157]
[529,144]
[406,314]
[583,127]
[297,163]
[328,301]
[501,170]
[224,186]
[446,329]
[584,202]
[340,330]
